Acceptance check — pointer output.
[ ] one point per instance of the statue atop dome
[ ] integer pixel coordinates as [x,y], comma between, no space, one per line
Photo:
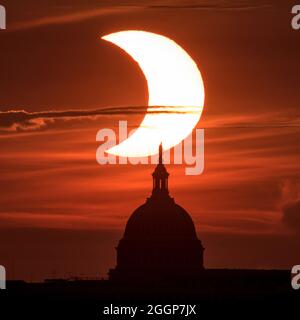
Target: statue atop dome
[160,240]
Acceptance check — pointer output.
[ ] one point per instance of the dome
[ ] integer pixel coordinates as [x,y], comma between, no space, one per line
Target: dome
[157,218]
[160,240]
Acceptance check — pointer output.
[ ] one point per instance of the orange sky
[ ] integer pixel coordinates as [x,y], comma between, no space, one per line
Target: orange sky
[61,213]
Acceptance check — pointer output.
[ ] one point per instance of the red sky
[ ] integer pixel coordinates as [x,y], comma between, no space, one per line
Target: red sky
[62,214]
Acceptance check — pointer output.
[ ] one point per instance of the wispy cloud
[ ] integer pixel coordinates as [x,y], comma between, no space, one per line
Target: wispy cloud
[71,17]
[13,121]
[72,14]
[21,120]
[210,5]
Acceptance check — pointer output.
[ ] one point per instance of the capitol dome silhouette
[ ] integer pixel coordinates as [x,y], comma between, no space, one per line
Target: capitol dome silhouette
[160,240]
[160,219]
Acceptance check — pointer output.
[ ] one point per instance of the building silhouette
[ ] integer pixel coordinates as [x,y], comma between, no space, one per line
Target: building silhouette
[160,240]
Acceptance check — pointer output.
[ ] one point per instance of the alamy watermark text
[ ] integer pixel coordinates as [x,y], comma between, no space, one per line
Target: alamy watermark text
[189,151]
[2,18]
[2,278]
[296,18]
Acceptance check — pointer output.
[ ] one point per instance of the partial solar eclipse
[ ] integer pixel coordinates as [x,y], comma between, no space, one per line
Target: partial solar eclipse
[175,89]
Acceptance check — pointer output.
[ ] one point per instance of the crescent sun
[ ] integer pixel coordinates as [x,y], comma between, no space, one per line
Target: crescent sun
[175,89]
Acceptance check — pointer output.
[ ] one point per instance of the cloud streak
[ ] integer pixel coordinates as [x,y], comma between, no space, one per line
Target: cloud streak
[13,121]
[210,5]
[21,120]
[83,13]
[71,17]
